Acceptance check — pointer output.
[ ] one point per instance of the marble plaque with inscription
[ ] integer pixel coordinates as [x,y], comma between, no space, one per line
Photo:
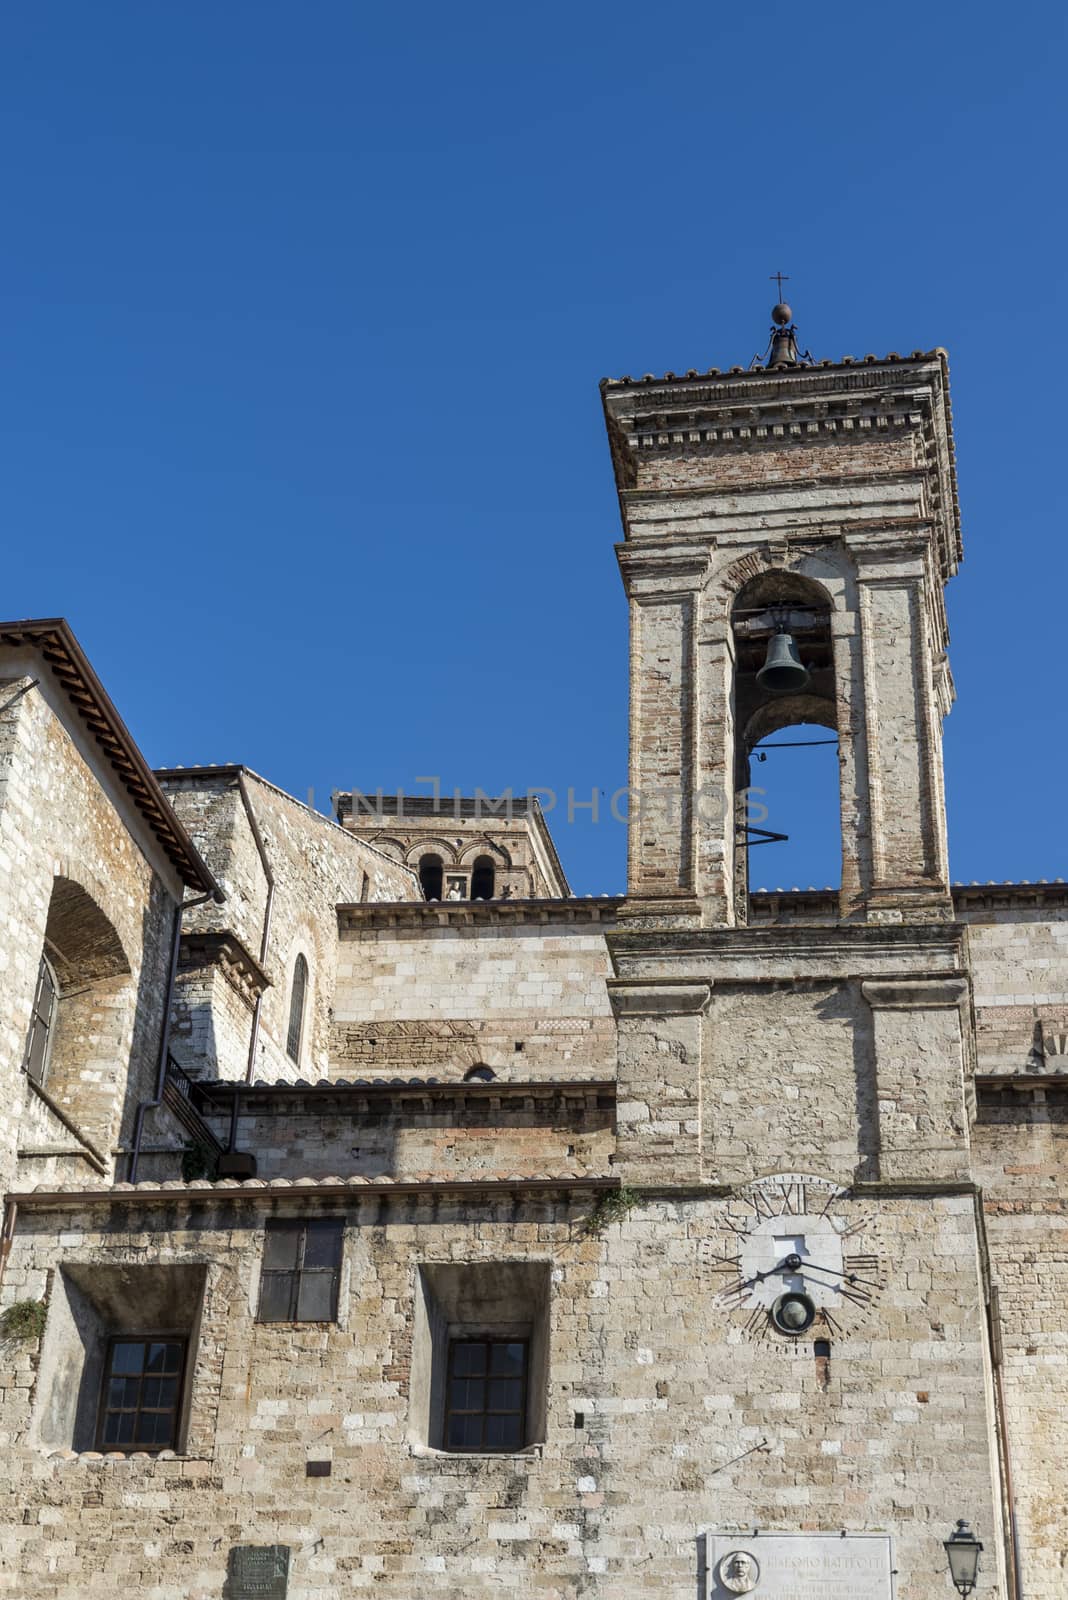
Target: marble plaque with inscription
[257,1572]
[799,1566]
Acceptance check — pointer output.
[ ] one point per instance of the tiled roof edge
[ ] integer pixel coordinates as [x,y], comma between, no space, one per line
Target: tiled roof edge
[272,1188]
[54,638]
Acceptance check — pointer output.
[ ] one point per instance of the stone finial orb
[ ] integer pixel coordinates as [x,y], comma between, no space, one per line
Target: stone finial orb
[781,314]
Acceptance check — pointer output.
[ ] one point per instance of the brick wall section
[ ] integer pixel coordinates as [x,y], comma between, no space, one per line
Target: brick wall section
[770,464]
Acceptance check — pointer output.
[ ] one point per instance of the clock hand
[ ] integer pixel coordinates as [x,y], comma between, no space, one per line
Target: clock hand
[743,1284]
[814,1266]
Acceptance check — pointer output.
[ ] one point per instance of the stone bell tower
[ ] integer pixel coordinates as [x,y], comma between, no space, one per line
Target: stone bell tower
[802,498]
[788,532]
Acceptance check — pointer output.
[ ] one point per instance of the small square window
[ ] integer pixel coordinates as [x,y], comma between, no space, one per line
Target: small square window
[301,1271]
[486,1403]
[480,1349]
[141,1394]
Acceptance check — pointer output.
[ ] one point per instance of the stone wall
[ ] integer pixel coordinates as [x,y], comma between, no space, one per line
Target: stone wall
[663,1415]
[1018,958]
[316,866]
[528,998]
[407,1132]
[75,861]
[1020,1153]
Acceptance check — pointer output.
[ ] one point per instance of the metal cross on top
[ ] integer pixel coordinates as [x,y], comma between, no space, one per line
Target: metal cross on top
[780,278]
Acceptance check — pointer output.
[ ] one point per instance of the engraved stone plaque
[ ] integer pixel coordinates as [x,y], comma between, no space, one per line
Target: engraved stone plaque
[799,1566]
[257,1572]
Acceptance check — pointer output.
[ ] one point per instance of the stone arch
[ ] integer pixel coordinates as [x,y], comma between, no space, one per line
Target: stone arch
[297,1007]
[92,1017]
[390,846]
[83,941]
[430,844]
[110,906]
[485,847]
[829,574]
[787,713]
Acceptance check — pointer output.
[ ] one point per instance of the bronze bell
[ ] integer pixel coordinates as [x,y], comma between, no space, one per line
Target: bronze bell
[783,669]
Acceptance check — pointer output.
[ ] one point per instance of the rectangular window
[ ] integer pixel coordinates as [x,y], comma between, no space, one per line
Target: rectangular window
[486,1402]
[141,1394]
[41,1019]
[301,1270]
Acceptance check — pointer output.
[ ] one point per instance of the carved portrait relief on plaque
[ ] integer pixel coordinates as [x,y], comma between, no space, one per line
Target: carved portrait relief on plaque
[739,1572]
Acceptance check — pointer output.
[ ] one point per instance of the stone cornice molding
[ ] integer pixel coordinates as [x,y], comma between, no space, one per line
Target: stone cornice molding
[932,943]
[658,998]
[795,905]
[377,914]
[684,570]
[209,948]
[418,1097]
[836,481]
[792,406]
[915,994]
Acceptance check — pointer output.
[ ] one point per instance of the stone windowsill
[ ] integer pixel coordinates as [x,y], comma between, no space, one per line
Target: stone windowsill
[530,1452]
[93,1456]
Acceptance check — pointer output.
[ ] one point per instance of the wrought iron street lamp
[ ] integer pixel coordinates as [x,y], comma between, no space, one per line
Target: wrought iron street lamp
[963,1550]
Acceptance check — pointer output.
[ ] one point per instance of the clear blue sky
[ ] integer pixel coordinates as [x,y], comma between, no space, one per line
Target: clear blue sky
[303,313]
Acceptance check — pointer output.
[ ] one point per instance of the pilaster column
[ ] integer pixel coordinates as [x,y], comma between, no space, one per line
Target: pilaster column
[902,739]
[659,1080]
[662,590]
[919,1072]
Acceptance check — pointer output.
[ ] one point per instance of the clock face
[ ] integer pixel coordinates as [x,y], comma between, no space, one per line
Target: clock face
[796,1260]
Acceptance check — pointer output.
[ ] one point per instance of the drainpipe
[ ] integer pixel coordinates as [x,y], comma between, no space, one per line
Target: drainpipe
[165,1037]
[11,1211]
[997,1358]
[265,939]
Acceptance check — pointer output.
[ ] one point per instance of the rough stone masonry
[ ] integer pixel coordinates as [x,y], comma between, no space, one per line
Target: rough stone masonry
[389,1221]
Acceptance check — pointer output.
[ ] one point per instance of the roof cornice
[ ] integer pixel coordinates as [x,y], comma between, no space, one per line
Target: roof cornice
[477,913]
[53,639]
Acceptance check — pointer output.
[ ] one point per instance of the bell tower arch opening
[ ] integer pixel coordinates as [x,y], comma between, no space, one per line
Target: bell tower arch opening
[431,875]
[783,680]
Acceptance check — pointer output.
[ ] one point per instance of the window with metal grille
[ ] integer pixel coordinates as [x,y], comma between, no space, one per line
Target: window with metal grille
[296,1008]
[42,1018]
[141,1394]
[301,1270]
[485,1408]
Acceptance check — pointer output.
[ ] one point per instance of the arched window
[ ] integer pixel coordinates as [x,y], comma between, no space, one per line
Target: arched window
[479,1074]
[431,872]
[296,1008]
[785,681]
[482,879]
[42,1018]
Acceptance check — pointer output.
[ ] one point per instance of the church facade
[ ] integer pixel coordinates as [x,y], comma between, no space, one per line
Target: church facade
[382,1218]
